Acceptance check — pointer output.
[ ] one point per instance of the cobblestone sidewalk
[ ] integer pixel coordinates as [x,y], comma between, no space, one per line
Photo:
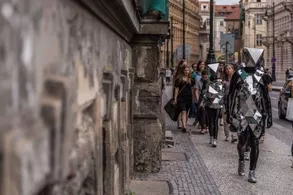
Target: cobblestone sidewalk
[189,177]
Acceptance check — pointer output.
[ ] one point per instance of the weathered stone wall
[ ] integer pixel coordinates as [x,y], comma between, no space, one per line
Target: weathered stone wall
[65,97]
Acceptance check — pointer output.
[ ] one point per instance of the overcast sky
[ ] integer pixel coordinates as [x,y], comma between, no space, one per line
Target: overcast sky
[226,2]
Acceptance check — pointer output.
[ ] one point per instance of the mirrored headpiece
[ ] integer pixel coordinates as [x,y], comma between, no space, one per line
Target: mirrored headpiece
[253,57]
[213,69]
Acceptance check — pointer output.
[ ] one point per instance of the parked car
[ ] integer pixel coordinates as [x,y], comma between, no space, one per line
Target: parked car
[283,101]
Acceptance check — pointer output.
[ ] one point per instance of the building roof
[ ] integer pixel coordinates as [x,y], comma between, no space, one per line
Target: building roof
[235,15]
[230,12]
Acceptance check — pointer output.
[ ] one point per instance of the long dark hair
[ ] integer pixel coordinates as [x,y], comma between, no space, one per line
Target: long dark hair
[198,64]
[179,70]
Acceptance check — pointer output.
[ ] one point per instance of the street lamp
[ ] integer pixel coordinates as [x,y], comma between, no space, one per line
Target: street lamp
[211,58]
[273,60]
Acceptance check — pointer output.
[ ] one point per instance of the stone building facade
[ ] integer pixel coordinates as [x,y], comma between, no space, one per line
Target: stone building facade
[283,36]
[255,26]
[192,26]
[80,89]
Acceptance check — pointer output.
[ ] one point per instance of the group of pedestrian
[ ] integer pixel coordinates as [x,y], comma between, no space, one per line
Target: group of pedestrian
[191,93]
[236,97]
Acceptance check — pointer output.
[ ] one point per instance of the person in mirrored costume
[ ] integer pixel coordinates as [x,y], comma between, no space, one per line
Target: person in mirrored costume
[213,102]
[249,107]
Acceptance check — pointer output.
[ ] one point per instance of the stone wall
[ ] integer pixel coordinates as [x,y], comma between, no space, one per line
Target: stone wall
[66,82]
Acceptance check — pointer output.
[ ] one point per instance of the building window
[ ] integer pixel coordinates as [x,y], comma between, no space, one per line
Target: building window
[259,39]
[258,18]
[208,22]
[258,1]
[221,23]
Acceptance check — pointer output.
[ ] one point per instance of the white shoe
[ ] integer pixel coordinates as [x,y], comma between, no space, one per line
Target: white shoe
[214,143]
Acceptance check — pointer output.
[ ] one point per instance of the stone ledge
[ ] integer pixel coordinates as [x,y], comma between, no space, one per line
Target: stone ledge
[154,28]
[145,116]
[151,187]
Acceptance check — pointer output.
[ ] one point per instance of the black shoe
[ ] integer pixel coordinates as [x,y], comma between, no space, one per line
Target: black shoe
[251,176]
[241,168]
[184,130]
[234,139]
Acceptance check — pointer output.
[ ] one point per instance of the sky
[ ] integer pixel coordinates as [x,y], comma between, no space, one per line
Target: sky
[227,2]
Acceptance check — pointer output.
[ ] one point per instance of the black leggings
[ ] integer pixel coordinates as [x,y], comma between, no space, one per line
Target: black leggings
[248,138]
[213,117]
[202,117]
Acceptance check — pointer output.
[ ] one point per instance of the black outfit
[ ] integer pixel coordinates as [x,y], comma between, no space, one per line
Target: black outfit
[242,99]
[202,113]
[214,108]
[213,118]
[184,98]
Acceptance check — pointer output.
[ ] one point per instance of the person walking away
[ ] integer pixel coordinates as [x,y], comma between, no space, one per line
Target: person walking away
[267,79]
[183,95]
[200,87]
[229,71]
[287,73]
[168,76]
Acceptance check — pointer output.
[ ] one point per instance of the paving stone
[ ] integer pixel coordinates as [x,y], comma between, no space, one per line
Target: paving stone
[168,135]
[172,156]
[181,173]
[150,187]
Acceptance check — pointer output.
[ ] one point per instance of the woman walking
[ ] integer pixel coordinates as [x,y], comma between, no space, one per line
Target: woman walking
[179,71]
[197,75]
[229,71]
[200,87]
[214,102]
[183,95]
[200,67]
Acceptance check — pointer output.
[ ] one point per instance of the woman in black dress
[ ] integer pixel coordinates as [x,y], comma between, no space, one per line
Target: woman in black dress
[184,95]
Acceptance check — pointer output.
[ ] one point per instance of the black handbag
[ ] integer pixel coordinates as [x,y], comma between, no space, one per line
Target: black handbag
[173,109]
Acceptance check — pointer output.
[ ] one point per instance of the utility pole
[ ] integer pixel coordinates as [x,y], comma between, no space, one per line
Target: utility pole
[274,52]
[183,24]
[226,52]
[172,46]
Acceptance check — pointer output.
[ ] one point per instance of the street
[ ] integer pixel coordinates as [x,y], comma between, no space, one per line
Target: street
[214,170]
[283,128]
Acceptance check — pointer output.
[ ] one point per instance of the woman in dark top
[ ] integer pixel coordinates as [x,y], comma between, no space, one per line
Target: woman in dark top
[184,95]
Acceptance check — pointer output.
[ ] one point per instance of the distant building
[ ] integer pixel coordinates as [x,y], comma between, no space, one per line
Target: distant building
[226,21]
[192,27]
[255,27]
[283,36]
[231,14]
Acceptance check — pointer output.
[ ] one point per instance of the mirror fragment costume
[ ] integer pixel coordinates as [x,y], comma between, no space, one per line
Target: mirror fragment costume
[213,101]
[249,107]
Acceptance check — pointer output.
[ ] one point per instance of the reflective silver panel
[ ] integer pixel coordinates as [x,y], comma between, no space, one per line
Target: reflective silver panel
[214,68]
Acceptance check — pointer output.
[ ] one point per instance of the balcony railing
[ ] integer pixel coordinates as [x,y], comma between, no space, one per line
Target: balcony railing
[253,5]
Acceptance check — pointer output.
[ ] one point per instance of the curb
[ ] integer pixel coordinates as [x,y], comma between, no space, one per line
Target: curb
[276,88]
